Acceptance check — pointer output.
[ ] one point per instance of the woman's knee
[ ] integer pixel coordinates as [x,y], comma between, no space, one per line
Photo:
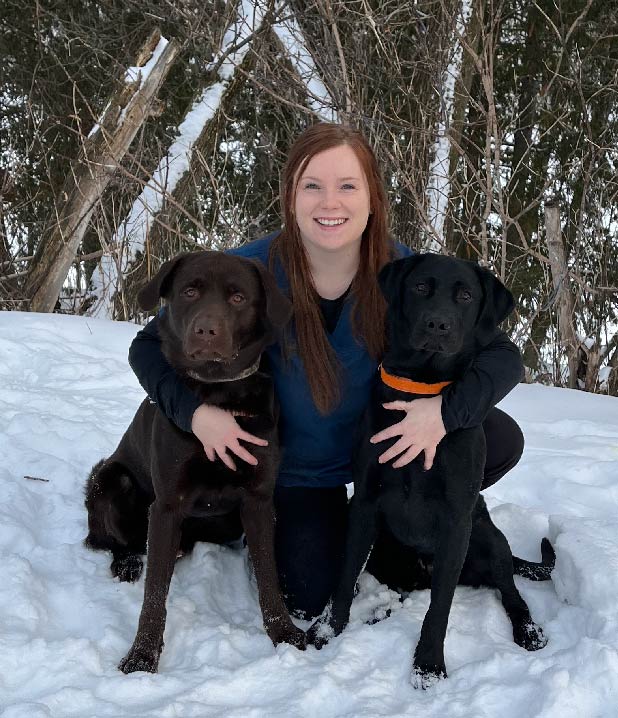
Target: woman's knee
[505,445]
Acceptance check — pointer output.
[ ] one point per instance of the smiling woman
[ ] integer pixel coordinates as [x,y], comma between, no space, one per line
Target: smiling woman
[326,259]
[332,203]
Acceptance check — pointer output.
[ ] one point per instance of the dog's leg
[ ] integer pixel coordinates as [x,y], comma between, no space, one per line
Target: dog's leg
[361,535]
[258,519]
[447,564]
[116,518]
[526,633]
[163,543]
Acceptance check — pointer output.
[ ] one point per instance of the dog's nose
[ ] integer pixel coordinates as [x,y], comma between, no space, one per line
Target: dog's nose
[207,328]
[438,325]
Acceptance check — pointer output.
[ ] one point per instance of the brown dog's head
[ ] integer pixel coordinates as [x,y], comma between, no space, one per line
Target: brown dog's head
[222,311]
[442,305]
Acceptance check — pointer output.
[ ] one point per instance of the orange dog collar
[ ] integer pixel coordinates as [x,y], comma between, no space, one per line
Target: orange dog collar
[410,386]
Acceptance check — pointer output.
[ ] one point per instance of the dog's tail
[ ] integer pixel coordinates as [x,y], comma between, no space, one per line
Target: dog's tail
[537,571]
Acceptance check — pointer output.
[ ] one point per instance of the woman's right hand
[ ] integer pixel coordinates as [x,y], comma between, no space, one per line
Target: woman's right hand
[219,433]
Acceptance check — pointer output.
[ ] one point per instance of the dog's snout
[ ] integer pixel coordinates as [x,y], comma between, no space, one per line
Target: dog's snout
[438,325]
[207,328]
[209,337]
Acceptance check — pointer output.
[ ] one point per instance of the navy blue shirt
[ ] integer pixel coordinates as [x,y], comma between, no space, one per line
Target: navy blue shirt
[317,448]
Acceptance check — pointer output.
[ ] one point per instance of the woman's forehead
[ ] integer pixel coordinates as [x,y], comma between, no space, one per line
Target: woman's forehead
[340,162]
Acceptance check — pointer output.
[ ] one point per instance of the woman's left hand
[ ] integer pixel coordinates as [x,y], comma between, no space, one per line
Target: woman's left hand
[421,429]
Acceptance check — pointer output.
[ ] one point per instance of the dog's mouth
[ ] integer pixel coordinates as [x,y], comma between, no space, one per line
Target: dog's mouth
[204,356]
[436,346]
[432,346]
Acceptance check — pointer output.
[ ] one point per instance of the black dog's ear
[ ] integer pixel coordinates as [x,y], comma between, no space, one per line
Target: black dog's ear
[498,303]
[159,285]
[278,306]
[391,274]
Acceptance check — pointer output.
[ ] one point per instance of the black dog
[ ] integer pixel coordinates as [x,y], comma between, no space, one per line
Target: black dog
[158,485]
[441,311]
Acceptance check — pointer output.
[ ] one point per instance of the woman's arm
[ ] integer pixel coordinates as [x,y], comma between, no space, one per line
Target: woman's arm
[496,370]
[159,379]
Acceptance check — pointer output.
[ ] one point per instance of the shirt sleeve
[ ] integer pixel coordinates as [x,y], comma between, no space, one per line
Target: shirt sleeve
[158,378]
[496,370]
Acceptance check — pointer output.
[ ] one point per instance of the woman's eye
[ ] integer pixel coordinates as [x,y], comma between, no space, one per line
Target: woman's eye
[311,185]
[190,292]
[237,298]
[348,186]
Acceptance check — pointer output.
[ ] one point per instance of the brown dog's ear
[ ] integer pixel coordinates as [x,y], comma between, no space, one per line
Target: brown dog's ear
[278,306]
[498,303]
[159,285]
[392,274]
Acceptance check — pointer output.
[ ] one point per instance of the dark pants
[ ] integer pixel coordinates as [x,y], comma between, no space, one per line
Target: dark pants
[311,523]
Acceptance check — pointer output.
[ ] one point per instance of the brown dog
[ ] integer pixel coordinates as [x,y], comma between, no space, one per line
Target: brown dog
[158,485]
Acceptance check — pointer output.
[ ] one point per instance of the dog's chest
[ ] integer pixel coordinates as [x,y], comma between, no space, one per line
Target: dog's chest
[417,505]
[411,503]
[210,489]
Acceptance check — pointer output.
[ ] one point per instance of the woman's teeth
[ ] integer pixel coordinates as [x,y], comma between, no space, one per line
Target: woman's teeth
[330,222]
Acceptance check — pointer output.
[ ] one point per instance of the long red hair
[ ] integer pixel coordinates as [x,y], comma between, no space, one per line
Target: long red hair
[368,309]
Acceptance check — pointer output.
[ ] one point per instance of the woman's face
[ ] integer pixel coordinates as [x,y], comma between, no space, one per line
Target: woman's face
[332,201]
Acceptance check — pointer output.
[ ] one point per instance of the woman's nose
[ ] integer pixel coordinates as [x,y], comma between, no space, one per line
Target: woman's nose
[330,198]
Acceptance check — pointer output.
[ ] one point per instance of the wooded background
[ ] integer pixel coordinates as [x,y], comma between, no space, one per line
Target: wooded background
[133,129]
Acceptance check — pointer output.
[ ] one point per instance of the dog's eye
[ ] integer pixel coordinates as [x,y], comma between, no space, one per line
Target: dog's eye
[422,288]
[237,298]
[190,292]
[465,295]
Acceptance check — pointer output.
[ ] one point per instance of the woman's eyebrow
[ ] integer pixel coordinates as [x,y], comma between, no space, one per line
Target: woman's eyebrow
[339,179]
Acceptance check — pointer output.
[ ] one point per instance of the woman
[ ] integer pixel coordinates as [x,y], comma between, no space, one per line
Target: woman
[326,258]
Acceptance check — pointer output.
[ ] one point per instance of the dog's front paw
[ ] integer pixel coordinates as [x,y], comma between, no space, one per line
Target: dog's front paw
[140,658]
[319,634]
[128,568]
[530,636]
[425,676]
[380,614]
[288,634]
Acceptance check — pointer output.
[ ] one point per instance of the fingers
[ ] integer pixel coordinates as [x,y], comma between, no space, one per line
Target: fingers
[430,455]
[252,439]
[233,445]
[389,433]
[243,454]
[226,459]
[397,405]
[394,450]
[408,457]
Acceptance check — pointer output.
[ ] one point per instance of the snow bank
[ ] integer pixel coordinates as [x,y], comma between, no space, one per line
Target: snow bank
[66,397]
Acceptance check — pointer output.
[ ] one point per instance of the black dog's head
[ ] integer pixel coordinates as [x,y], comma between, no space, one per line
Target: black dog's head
[441,305]
[222,311]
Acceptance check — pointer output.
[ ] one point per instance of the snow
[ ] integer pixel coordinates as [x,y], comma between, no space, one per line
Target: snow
[137,76]
[319,99]
[67,395]
[438,184]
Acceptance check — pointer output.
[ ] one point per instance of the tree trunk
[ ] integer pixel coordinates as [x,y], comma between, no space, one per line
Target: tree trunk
[87,180]
[462,97]
[560,276]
